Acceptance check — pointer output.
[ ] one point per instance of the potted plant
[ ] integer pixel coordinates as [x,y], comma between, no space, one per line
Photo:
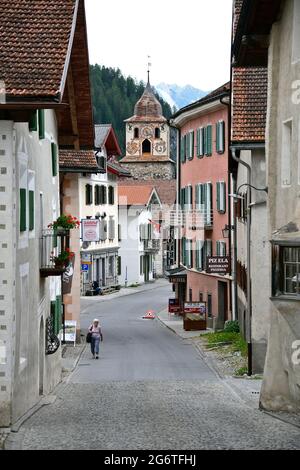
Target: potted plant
[64,222]
[63,259]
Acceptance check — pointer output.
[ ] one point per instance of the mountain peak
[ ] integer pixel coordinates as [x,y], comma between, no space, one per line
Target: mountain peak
[179,96]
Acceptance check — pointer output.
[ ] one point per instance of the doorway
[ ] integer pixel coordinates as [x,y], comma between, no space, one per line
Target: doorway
[41,357]
[223,304]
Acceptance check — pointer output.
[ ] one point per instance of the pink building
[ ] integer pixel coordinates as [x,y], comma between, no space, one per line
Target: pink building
[203,195]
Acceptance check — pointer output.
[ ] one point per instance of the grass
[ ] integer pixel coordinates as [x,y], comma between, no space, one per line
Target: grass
[234,342]
[241,371]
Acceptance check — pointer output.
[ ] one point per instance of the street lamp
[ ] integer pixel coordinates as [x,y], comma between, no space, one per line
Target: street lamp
[226,230]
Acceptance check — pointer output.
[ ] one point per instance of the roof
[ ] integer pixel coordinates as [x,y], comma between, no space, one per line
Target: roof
[252,25]
[148,108]
[212,96]
[146,159]
[135,195]
[35,37]
[115,168]
[249,104]
[105,136]
[166,189]
[78,161]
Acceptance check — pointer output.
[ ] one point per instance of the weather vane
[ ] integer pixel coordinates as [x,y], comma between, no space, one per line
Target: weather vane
[149,65]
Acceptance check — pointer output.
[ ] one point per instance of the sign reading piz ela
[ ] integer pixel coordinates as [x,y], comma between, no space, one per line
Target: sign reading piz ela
[218,265]
[90,230]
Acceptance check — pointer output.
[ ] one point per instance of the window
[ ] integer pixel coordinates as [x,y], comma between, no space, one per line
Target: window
[221,197]
[146,146]
[31,210]
[296,32]
[111,265]
[286,154]
[23,210]
[97,195]
[102,195]
[208,204]
[33,122]
[119,266]
[221,248]
[183,251]
[111,195]
[200,255]
[41,119]
[286,270]
[54,158]
[220,137]
[157,133]
[141,265]
[190,295]
[208,141]
[189,198]
[189,254]
[56,313]
[200,297]
[136,133]
[200,142]
[190,145]
[88,194]
[119,232]
[111,230]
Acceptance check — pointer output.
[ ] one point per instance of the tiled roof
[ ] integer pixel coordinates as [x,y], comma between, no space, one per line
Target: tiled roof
[134,195]
[83,160]
[146,159]
[114,167]
[166,189]
[249,105]
[101,132]
[34,42]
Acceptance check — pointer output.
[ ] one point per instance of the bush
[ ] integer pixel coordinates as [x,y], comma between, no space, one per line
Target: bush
[232,326]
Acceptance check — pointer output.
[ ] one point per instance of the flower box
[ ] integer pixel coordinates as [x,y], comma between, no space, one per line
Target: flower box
[194,322]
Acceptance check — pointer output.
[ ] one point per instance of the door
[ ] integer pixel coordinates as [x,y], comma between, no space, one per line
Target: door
[41,357]
[146,267]
[103,275]
[223,304]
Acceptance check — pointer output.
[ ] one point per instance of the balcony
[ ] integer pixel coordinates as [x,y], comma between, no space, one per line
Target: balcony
[53,246]
[151,245]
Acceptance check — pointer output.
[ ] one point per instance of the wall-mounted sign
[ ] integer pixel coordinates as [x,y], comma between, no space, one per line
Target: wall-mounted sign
[86,258]
[218,265]
[70,331]
[85,267]
[174,306]
[195,307]
[90,230]
[67,277]
[177,279]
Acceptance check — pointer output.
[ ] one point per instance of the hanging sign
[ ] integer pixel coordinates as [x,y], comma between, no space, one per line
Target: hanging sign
[67,277]
[90,229]
[218,265]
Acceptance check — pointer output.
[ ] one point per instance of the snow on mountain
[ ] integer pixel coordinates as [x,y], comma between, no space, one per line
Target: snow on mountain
[179,96]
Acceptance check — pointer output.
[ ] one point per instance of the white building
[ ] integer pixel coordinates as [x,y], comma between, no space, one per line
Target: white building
[139,238]
[99,200]
[34,120]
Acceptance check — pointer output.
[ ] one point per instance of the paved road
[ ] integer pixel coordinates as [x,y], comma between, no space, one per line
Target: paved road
[149,390]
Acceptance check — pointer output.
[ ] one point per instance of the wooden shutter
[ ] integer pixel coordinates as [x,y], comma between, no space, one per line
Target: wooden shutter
[23,210]
[192,145]
[54,158]
[41,115]
[222,197]
[205,140]
[31,210]
[218,249]
[198,143]
[33,122]
[220,137]
[208,203]
[209,140]
[201,143]
[217,136]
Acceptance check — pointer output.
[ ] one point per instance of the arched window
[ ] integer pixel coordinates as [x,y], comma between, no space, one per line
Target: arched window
[136,133]
[146,148]
[157,133]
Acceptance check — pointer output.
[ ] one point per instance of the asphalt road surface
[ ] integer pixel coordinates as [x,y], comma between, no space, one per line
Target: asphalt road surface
[149,390]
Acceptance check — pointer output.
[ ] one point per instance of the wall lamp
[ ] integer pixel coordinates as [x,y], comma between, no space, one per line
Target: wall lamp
[226,230]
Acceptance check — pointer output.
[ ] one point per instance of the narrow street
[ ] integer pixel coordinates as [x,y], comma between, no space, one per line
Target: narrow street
[149,390]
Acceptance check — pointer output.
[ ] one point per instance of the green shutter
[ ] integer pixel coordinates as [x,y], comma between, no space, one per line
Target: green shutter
[205,140]
[31,210]
[41,114]
[209,140]
[217,136]
[33,122]
[58,315]
[54,158]
[218,197]
[192,144]
[22,210]
[182,150]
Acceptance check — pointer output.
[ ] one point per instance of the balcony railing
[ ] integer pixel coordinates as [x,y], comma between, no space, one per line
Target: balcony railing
[192,219]
[151,245]
[52,244]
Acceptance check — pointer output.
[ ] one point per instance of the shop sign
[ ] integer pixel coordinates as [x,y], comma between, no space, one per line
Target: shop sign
[195,307]
[218,265]
[90,230]
[174,306]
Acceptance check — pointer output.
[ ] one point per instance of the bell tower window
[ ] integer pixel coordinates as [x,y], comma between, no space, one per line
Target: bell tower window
[146,147]
[136,133]
[157,133]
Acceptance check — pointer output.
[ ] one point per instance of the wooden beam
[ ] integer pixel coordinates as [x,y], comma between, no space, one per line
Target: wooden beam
[73,108]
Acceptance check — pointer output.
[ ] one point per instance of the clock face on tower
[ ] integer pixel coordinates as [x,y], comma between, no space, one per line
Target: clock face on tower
[147,132]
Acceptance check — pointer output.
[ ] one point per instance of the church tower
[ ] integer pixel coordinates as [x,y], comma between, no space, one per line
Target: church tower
[148,141]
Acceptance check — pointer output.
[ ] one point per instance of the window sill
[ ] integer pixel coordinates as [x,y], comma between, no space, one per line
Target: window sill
[286,298]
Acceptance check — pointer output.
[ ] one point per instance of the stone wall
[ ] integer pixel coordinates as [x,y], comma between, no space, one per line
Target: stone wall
[146,171]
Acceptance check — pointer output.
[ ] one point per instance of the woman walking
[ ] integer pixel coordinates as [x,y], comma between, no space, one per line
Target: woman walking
[96,332]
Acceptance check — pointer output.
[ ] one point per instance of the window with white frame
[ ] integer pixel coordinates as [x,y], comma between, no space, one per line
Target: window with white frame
[221,197]
[286,153]
[220,137]
[200,142]
[221,248]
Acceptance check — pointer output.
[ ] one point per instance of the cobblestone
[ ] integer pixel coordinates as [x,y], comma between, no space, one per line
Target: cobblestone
[154,415]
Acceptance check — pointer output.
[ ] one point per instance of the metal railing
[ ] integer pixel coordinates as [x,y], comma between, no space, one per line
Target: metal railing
[52,244]
[151,245]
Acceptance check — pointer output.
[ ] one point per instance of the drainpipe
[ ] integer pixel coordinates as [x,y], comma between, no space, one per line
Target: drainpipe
[249,299]
[178,175]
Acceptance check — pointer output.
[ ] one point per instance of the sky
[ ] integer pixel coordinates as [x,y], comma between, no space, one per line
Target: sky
[188,41]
